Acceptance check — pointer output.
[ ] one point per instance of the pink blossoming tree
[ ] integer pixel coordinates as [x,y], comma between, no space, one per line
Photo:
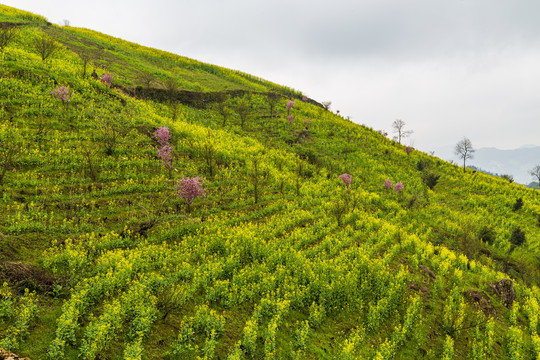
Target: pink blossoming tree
[107,79]
[387,184]
[290,105]
[189,189]
[63,94]
[163,136]
[346,179]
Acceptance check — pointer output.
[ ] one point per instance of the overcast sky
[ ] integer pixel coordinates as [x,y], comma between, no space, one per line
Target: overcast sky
[448,68]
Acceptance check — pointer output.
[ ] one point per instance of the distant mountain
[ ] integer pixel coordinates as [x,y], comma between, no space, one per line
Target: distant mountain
[516,162]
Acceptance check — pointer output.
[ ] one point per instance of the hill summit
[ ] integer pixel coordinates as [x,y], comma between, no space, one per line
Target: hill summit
[163,208]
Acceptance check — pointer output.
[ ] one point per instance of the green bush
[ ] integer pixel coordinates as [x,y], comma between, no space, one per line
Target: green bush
[430,179]
[487,234]
[518,204]
[422,164]
[518,236]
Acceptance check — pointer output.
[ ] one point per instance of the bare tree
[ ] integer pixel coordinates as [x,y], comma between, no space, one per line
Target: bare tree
[172,91]
[223,108]
[85,59]
[535,172]
[399,127]
[7,33]
[326,105]
[243,109]
[45,47]
[464,150]
[146,79]
[272,98]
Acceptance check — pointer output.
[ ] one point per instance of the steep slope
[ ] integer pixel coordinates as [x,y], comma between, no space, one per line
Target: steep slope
[102,259]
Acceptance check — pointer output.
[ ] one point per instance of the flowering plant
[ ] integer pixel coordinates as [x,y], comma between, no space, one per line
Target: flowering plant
[290,104]
[190,188]
[163,135]
[107,79]
[62,93]
[346,179]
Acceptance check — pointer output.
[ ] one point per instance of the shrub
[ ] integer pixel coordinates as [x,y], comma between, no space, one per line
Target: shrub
[430,179]
[508,178]
[422,164]
[487,234]
[518,236]
[518,204]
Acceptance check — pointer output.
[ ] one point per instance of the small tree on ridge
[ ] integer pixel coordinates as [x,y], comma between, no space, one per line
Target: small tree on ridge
[464,149]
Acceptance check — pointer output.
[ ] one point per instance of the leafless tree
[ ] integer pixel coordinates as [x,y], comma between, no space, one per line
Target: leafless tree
[146,79]
[45,47]
[326,105]
[272,98]
[7,33]
[535,172]
[399,128]
[243,109]
[223,108]
[85,59]
[172,89]
[464,149]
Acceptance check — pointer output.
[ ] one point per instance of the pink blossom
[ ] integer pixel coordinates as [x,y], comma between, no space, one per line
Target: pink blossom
[346,179]
[107,79]
[307,122]
[290,104]
[165,155]
[304,99]
[398,186]
[291,119]
[190,188]
[387,184]
[62,93]
[409,150]
[163,135]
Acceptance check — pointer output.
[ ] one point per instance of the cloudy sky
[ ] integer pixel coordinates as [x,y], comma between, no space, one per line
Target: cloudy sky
[448,68]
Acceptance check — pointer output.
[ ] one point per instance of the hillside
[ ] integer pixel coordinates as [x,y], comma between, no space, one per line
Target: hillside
[103,256]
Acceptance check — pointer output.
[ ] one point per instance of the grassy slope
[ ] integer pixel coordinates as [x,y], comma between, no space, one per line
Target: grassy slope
[119,266]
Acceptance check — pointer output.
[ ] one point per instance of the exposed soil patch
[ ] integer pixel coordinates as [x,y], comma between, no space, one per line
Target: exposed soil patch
[480,299]
[26,276]
[504,288]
